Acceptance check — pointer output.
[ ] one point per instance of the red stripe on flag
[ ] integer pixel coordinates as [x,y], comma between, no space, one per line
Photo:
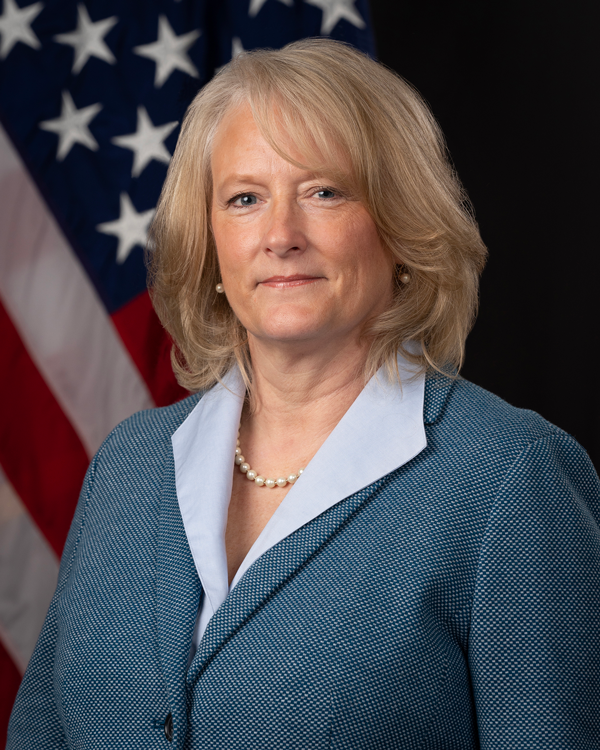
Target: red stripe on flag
[40,452]
[9,685]
[149,346]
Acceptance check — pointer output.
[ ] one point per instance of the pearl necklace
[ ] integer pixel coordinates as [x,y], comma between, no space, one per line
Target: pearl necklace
[253,476]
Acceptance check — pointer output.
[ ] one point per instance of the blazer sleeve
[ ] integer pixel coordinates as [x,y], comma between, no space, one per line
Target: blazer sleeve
[534,641]
[35,722]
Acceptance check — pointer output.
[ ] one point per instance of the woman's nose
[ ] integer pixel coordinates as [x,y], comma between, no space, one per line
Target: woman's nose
[284,232]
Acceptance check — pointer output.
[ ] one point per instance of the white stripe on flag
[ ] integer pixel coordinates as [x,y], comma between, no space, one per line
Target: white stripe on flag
[58,313]
[28,575]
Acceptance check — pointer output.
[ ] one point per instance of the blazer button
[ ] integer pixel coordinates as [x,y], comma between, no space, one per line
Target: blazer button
[169,728]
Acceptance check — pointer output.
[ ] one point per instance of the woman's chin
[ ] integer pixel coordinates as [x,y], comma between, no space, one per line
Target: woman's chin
[287,334]
[288,324]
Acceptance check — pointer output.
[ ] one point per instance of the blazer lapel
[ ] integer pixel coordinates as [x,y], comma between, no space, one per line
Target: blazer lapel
[178,593]
[271,572]
[276,566]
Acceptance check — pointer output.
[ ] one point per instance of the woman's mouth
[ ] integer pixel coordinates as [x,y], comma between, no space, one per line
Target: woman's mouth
[286,282]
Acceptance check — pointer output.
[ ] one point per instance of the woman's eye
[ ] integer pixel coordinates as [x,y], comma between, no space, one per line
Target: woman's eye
[326,193]
[244,200]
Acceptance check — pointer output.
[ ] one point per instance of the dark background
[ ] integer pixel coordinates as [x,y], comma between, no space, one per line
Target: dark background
[516,89]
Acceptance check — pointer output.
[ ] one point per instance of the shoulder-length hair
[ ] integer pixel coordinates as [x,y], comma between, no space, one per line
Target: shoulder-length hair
[327,99]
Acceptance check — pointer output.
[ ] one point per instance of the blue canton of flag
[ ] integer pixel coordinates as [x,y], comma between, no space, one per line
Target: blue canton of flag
[91,97]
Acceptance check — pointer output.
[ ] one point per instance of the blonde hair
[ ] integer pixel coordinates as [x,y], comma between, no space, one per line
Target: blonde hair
[327,98]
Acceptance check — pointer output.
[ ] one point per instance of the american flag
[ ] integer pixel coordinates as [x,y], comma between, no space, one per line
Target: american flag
[91,97]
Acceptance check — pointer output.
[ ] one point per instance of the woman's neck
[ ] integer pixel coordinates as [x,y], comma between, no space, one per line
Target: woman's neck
[303,392]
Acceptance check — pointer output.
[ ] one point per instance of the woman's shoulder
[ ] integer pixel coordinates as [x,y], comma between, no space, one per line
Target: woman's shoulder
[482,427]
[148,431]
[482,449]
[457,403]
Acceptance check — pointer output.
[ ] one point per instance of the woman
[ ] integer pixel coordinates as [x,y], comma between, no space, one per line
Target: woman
[396,559]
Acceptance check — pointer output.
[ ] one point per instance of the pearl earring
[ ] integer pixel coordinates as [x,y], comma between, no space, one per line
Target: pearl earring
[403,277]
[220,288]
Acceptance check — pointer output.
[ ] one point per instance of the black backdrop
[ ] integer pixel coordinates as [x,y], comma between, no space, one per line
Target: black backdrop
[515,86]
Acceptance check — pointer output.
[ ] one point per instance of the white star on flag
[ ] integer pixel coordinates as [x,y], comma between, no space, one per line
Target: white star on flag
[169,52]
[256,5]
[147,142]
[131,228]
[72,126]
[15,26]
[334,11]
[88,39]
[236,49]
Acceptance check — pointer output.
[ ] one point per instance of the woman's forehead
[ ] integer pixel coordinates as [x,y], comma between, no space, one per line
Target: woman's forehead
[243,131]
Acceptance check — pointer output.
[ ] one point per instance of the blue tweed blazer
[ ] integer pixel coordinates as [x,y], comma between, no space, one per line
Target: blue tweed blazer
[453,604]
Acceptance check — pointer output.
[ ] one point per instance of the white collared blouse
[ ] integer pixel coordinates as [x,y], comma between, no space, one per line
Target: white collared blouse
[382,430]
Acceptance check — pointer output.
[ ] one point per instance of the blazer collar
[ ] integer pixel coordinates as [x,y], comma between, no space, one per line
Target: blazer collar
[179,590]
[382,430]
[437,390]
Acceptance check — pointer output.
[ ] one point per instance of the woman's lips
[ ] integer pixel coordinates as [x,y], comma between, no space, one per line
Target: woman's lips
[285,282]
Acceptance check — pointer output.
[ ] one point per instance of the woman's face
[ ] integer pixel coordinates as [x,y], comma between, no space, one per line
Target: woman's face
[300,260]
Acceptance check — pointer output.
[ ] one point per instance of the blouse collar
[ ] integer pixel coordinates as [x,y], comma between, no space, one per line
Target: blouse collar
[382,430]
